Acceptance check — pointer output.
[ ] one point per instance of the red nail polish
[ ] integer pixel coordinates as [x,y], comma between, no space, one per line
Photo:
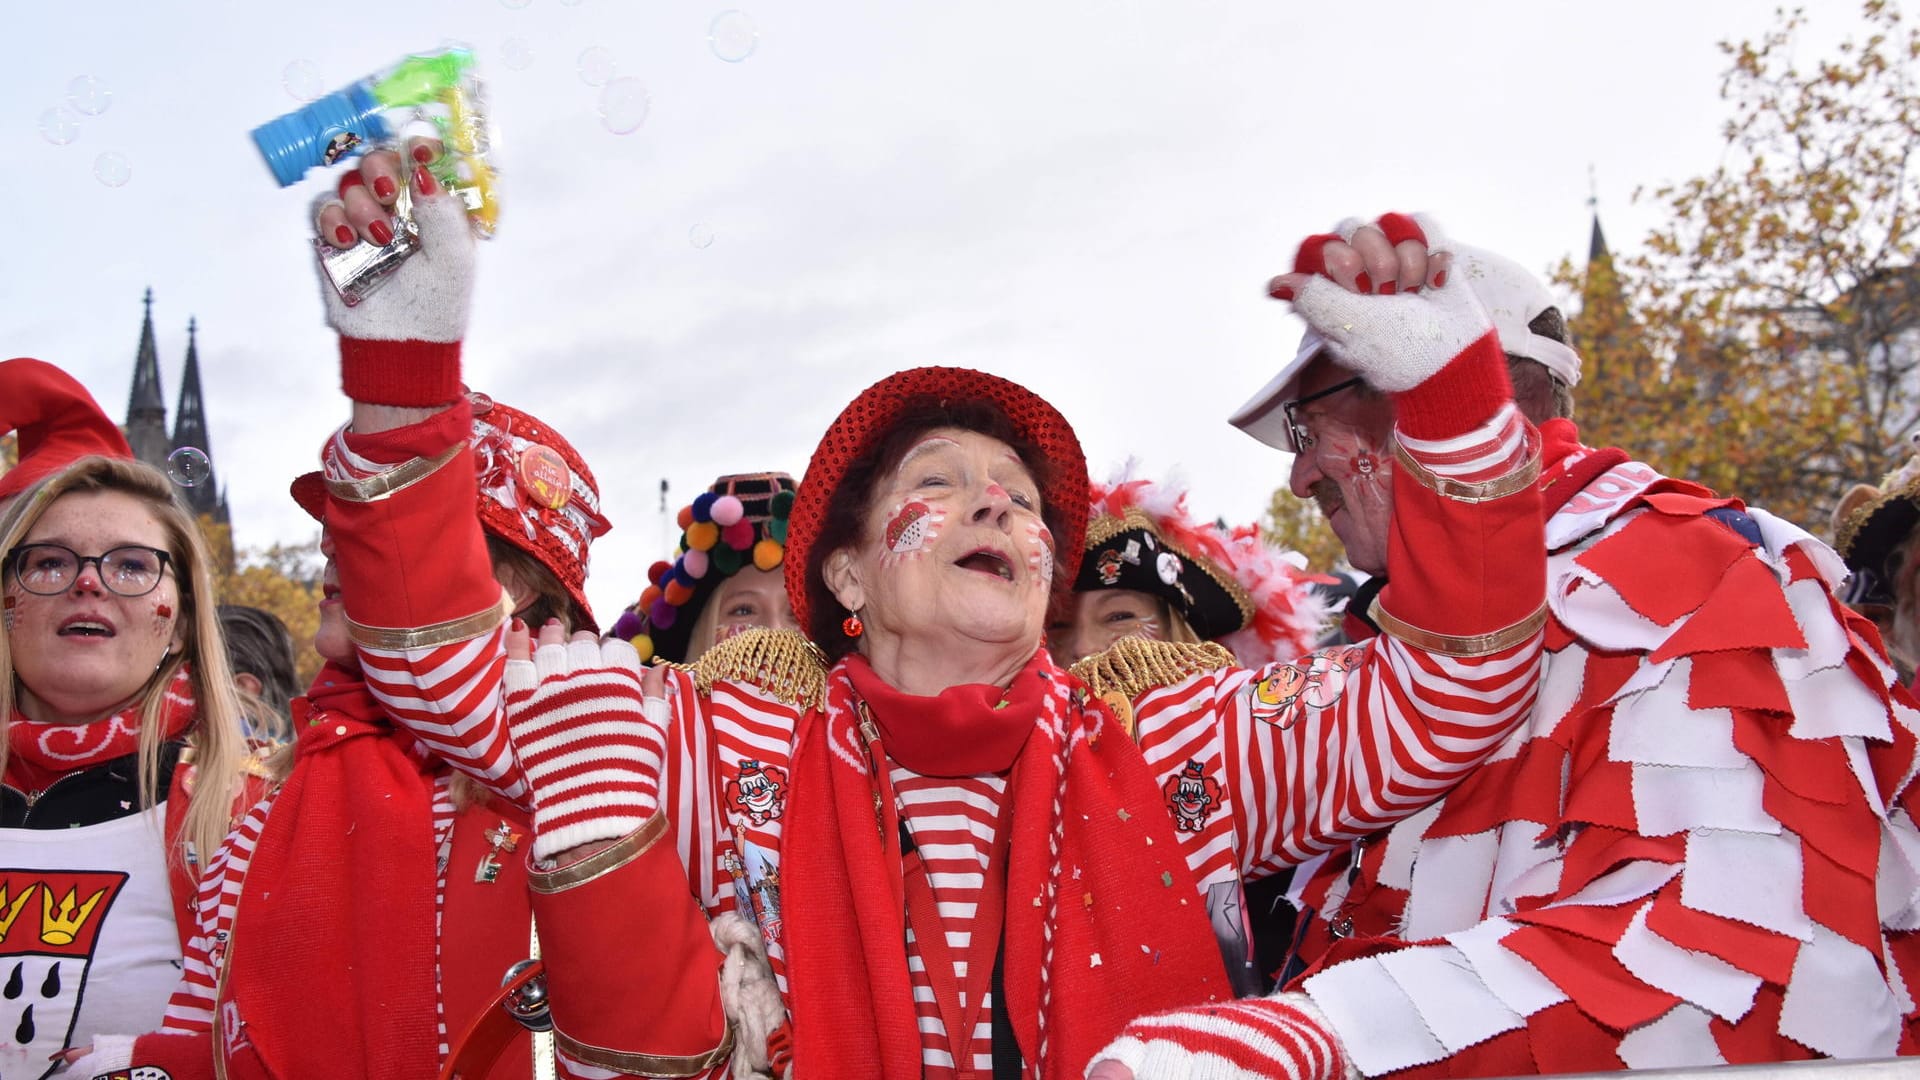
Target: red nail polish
[1440,280]
[381,234]
[344,236]
[423,180]
[423,154]
[383,187]
[1281,292]
[1389,288]
[517,626]
[352,179]
[1363,282]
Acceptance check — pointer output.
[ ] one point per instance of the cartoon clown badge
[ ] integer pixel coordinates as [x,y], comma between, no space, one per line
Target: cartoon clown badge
[1192,796]
[758,791]
[1319,681]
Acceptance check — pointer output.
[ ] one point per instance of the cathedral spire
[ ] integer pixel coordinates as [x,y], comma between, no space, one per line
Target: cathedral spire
[146,403]
[190,433]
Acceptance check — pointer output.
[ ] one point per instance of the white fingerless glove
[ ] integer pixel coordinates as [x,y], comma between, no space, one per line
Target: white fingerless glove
[1394,342]
[591,744]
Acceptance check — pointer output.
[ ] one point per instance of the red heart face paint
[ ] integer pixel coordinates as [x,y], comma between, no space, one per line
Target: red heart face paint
[912,527]
[163,611]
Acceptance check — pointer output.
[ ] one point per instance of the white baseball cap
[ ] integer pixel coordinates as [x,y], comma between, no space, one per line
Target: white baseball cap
[1511,294]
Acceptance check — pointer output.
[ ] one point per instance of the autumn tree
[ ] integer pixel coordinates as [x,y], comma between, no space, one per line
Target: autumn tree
[1763,341]
[283,579]
[1298,525]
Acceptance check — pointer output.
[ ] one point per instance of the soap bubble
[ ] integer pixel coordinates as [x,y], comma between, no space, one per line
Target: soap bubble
[189,467]
[596,66]
[732,36]
[516,54]
[88,95]
[59,125]
[112,168]
[700,235]
[302,81]
[624,105]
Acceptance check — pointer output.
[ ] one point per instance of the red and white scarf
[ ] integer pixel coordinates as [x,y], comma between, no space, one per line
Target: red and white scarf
[1099,895]
[38,753]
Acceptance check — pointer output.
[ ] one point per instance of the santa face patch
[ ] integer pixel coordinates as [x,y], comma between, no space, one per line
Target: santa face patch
[50,921]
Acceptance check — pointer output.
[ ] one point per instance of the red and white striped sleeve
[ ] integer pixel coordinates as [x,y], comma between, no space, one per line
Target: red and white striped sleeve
[1249,1039]
[1344,741]
[426,612]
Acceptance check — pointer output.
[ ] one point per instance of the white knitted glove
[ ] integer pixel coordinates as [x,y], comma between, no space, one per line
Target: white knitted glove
[108,1055]
[1395,342]
[1248,1039]
[591,743]
[428,298]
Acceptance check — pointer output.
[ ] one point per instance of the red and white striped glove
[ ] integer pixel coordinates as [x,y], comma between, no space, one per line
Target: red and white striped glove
[1380,293]
[1249,1039]
[590,742]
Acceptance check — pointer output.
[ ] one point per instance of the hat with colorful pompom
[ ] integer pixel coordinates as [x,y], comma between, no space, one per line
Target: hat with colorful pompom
[739,522]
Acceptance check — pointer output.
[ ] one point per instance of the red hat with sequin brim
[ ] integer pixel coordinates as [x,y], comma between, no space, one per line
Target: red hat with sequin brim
[536,493]
[861,427]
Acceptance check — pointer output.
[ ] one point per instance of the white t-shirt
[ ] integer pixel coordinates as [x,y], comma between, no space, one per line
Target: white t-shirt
[86,927]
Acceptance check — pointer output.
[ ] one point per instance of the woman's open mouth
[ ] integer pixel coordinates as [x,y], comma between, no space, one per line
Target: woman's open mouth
[987,561]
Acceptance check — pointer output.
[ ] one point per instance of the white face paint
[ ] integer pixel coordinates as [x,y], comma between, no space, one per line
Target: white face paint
[1088,623]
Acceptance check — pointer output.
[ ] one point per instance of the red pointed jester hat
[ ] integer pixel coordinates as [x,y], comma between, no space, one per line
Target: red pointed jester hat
[57,420]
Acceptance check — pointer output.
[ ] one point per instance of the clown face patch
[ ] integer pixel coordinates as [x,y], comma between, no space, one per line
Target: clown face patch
[1109,567]
[1318,681]
[758,791]
[1192,797]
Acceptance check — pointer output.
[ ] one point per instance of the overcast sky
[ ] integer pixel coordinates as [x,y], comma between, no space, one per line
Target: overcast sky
[1086,197]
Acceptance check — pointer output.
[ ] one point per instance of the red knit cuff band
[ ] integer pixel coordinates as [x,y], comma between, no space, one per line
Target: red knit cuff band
[416,374]
[1459,397]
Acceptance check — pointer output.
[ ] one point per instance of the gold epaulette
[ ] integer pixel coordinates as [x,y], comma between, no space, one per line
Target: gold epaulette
[781,662]
[1132,666]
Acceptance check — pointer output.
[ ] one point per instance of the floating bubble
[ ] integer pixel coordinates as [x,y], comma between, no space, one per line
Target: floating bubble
[88,95]
[59,125]
[302,81]
[700,235]
[624,104]
[596,66]
[112,168]
[732,36]
[516,54]
[189,467]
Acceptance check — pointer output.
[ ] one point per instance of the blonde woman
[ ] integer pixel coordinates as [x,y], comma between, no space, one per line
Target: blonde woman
[113,678]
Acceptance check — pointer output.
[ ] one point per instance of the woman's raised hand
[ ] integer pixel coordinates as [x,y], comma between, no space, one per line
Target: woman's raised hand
[588,732]
[362,206]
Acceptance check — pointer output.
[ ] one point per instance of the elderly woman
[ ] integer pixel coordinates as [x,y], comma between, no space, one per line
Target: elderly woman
[112,679]
[952,859]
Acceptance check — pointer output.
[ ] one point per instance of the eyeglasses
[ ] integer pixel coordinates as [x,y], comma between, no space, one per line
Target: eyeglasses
[51,569]
[1297,433]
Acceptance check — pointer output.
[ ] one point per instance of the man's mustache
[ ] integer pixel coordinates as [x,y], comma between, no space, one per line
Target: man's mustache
[1327,494]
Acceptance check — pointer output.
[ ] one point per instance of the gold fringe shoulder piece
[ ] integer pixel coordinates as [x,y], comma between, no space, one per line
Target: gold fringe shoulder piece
[1134,665]
[781,662]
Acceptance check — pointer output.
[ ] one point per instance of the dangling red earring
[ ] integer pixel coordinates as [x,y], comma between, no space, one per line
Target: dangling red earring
[852,626]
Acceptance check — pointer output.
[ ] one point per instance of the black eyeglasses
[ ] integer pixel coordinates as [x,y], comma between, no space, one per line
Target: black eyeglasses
[1297,432]
[51,569]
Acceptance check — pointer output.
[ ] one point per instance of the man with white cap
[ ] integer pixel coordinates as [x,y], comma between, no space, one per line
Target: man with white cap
[1699,849]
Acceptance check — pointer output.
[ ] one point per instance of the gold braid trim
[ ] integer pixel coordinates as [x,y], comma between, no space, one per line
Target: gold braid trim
[465,628]
[1518,479]
[624,1061]
[1455,645]
[600,863]
[1136,665]
[395,480]
[781,662]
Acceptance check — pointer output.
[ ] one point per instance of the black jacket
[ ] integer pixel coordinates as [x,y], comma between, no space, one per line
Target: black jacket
[88,797]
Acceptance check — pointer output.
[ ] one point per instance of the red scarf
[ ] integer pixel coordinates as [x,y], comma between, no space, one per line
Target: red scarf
[1567,465]
[1103,919]
[338,903]
[38,754]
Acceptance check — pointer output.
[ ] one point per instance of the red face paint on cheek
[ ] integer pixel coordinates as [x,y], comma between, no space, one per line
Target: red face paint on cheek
[162,611]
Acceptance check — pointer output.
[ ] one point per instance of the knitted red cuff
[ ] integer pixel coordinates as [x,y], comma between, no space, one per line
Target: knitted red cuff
[425,439]
[1459,397]
[417,374]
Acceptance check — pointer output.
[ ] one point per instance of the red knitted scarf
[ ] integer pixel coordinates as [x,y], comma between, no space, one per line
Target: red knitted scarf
[1104,921]
[340,895]
[38,754]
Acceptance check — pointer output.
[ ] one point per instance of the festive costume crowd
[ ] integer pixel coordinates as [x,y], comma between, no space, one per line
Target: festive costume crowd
[945,761]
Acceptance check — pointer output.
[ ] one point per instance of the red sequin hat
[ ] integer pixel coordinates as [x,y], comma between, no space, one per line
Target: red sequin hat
[536,493]
[863,424]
